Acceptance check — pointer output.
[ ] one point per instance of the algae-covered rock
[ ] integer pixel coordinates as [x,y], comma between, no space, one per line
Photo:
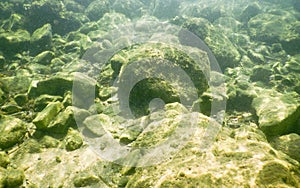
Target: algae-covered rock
[12,131]
[43,100]
[2,177]
[4,159]
[85,179]
[44,58]
[44,118]
[223,49]
[243,153]
[55,85]
[276,28]
[14,41]
[275,173]
[73,140]
[97,123]
[166,9]
[41,38]
[288,144]
[62,121]
[14,177]
[97,9]
[277,113]
[159,66]
[250,11]
[130,8]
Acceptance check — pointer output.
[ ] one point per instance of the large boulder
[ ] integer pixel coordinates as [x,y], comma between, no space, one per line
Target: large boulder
[242,152]
[159,66]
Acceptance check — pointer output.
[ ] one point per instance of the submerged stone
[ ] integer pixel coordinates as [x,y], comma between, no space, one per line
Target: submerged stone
[44,118]
[276,28]
[4,159]
[73,140]
[14,41]
[85,179]
[44,58]
[55,85]
[14,178]
[12,131]
[242,152]
[288,144]
[41,38]
[277,113]
[250,11]
[97,9]
[97,123]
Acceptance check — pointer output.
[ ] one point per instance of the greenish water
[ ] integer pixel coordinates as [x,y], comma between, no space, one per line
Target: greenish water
[149,93]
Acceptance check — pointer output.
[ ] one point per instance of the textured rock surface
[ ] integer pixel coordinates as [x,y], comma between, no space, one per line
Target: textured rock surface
[277,113]
[12,131]
[57,94]
[240,157]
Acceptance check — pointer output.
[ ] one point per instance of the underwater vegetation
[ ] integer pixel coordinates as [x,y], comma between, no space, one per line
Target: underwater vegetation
[149,93]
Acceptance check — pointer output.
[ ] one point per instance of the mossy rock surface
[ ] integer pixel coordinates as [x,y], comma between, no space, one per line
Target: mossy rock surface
[277,113]
[13,131]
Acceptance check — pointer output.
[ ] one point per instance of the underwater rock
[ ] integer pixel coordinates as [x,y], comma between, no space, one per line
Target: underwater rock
[288,144]
[223,49]
[12,131]
[228,24]
[85,179]
[170,89]
[277,113]
[261,73]
[44,58]
[41,38]
[166,9]
[96,124]
[18,83]
[250,11]
[4,159]
[130,8]
[275,173]
[199,26]
[231,155]
[44,12]
[74,6]
[12,42]
[97,9]
[225,52]
[62,121]
[56,85]
[276,28]
[49,142]
[14,178]
[21,99]
[2,177]
[73,140]
[43,119]
[43,100]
